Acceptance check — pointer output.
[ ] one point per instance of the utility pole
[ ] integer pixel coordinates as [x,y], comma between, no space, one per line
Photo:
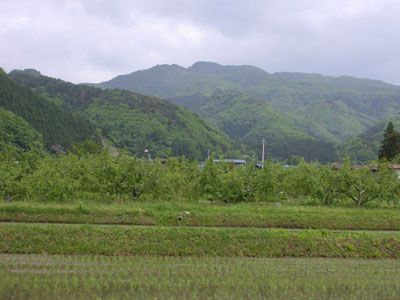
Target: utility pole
[208,154]
[264,141]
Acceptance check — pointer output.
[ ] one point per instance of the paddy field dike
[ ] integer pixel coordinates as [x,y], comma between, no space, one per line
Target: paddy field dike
[201,250]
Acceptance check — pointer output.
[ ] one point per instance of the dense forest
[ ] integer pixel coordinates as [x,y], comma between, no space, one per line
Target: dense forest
[329,112]
[133,121]
[17,132]
[255,119]
[58,125]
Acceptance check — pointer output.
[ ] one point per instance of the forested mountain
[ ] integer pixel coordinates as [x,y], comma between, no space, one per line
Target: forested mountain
[248,119]
[133,121]
[167,81]
[57,125]
[314,109]
[365,146]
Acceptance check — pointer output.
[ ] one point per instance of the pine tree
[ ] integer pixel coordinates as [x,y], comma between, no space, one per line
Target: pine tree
[390,145]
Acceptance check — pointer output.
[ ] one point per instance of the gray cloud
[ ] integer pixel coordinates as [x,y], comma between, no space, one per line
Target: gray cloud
[94,40]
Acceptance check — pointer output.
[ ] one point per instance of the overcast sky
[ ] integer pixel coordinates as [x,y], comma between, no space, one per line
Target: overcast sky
[94,40]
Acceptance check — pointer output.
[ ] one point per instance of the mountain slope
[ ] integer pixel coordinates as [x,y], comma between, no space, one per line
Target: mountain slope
[289,91]
[166,81]
[57,125]
[247,118]
[323,108]
[134,121]
[365,146]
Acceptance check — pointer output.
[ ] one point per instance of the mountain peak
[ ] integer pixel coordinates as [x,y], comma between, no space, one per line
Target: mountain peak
[167,67]
[206,67]
[212,68]
[30,72]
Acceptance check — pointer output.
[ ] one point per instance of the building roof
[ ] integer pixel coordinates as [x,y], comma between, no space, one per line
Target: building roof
[233,161]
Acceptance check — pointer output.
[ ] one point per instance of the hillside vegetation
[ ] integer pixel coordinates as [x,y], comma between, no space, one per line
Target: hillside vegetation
[57,125]
[248,119]
[365,146]
[319,111]
[133,121]
[15,131]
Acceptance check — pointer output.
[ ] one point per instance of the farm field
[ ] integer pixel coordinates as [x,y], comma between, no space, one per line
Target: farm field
[188,250]
[139,277]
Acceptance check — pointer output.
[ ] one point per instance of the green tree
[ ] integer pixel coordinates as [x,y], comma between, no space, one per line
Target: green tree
[390,145]
[365,184]
[15,165]
[16,131]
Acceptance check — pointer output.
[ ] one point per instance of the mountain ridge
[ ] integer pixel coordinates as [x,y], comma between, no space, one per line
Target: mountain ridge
[133,121]
[58,125]
[325,108]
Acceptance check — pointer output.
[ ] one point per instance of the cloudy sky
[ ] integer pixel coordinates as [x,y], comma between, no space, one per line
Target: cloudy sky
[94,40]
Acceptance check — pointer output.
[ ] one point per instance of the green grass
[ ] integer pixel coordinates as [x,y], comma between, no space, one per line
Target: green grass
[194,241]
[143,277]
[218,252]
[206,214]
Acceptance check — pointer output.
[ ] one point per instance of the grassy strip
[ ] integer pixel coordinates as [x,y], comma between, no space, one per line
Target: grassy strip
[154,277]
[206,214]
[190,241]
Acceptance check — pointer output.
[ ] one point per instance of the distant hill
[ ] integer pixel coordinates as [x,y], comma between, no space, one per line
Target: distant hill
[133,121]
[247,118]
[166,81]
[57,125]
[365,146]
[311,107]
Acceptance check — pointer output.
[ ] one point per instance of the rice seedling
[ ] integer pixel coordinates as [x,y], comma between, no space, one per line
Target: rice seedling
[143,277]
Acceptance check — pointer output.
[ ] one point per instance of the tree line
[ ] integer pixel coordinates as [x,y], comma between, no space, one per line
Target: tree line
[89,173]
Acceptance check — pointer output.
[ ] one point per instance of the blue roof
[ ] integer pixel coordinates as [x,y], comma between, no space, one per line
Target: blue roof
[234,161]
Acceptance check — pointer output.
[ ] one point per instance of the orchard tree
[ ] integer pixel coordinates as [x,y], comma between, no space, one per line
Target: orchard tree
[365,184]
